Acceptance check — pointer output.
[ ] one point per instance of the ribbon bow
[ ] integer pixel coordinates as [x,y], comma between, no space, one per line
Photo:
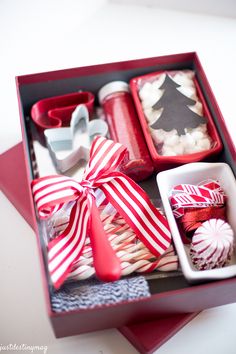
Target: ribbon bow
[52,192]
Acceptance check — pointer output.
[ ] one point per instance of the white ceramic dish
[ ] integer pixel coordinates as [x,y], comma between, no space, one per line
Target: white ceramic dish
[194,173]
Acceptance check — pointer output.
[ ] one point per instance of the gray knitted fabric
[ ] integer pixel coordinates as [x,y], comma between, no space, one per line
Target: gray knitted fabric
[91,293]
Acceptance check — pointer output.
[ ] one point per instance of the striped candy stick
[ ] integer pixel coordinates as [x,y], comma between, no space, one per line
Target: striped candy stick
[167,262]
[127,250]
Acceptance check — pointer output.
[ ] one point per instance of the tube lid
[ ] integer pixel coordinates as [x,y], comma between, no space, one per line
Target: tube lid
[112,87]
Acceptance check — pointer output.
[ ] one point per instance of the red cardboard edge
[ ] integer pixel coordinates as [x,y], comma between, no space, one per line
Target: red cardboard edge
[13,181]
[99,68]
[146,337]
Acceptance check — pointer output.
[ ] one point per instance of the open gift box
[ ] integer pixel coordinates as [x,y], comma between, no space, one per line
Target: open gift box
[170,295]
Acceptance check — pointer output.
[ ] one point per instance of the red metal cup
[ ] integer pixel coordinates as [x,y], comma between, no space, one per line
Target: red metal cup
[55,112]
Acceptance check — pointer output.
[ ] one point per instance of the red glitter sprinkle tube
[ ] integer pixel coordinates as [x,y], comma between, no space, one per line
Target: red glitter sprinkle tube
[125,128]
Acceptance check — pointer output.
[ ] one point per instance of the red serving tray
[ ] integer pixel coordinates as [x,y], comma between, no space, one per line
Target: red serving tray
[146,337]
[165,162]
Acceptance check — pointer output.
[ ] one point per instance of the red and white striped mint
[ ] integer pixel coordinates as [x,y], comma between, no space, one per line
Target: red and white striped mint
[212,244]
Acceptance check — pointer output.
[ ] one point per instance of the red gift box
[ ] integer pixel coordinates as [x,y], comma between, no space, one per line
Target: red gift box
[170,296]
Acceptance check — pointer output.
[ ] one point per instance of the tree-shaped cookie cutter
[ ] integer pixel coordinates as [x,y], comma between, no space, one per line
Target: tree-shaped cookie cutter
[62,139]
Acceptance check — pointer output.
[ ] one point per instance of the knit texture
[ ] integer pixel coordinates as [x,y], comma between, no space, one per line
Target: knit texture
[92,293]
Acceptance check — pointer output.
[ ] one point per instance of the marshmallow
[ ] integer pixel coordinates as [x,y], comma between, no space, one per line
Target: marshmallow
[158,82]
[204,144]
[179,149]
[152,99]
[145,91]
[202,128]
[155,115]
[158,136]
[197,108]
[188,73]
[187,140]
[172,140]
[188,92]
[148,114]
[167,151]
[197,135]
[183,80]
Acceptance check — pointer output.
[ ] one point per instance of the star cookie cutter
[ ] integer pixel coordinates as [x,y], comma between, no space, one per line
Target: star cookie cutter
[68,145]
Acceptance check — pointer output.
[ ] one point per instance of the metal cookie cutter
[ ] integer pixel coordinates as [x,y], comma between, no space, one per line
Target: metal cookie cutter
[69,145]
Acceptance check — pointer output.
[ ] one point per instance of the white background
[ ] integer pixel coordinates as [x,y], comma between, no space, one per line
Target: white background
[38,36]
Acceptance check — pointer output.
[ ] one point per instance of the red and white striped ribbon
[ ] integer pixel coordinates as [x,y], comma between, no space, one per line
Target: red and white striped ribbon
[52,192]
[207,193]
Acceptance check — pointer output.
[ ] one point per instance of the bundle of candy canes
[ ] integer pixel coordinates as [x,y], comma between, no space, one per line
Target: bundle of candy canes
[132,253]
[201,208]
[102,175]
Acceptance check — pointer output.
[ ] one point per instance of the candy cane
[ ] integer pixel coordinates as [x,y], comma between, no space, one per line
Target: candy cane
[133,254]
[144,266]
[165,264]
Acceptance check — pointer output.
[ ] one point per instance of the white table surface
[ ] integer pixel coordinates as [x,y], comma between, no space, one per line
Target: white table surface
[48,35]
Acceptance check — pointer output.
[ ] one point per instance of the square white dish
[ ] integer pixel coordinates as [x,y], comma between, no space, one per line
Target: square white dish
[194,173]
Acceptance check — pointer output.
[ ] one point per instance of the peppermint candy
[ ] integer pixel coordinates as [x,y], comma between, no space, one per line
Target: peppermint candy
[212,244]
